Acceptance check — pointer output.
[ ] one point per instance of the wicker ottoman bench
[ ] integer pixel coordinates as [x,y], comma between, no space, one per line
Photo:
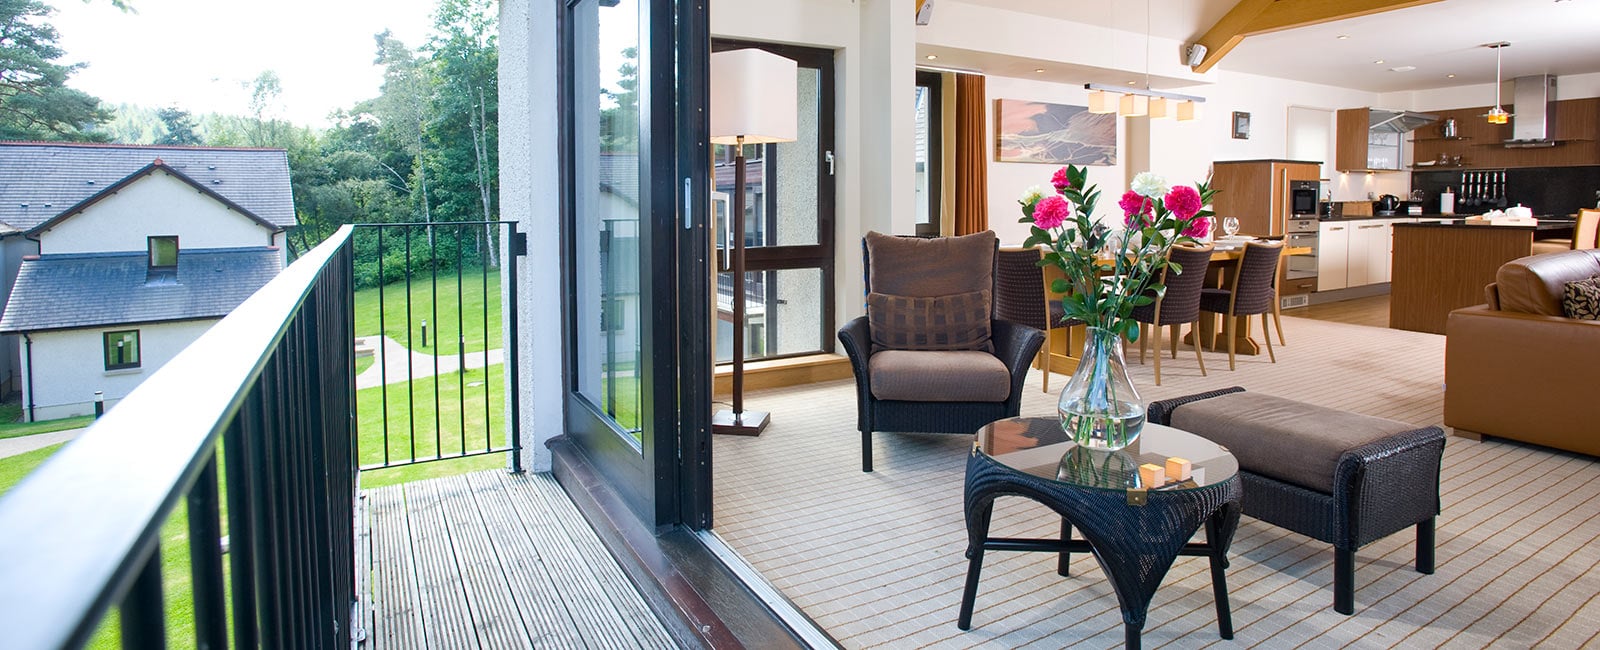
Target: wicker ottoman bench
[1339,477]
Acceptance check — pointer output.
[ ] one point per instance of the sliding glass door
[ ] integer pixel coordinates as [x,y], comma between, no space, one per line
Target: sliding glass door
[633,82]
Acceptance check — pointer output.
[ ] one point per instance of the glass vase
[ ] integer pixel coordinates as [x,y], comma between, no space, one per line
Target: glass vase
[1099,407]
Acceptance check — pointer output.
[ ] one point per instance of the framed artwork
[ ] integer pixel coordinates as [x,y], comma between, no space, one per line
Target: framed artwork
[1057,134]
[1241,125]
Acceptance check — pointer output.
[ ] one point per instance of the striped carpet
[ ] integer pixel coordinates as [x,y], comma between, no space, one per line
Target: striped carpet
[876,559]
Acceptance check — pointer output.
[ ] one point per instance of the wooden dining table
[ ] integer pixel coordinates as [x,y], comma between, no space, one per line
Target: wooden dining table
[1218,275]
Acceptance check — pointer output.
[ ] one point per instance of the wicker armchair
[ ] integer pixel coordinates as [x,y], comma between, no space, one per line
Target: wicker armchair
[955,391]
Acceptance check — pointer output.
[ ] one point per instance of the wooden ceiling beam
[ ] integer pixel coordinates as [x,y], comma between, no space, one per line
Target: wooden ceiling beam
[1251,17]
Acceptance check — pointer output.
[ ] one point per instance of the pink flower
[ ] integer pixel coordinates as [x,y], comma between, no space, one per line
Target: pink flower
[1134,209]
[1183,201]
[1051,212]
[1198,229]
[1060,180]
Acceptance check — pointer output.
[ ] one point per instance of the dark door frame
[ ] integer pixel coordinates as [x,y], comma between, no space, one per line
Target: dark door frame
[934,82]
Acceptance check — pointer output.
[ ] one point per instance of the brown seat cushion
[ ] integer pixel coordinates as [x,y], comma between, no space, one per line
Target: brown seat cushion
[955,322]
[915,267]
[1535,285]
[1283,439]
[938,376]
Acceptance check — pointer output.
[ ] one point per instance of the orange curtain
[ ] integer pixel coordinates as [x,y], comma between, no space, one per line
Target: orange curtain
[972,155]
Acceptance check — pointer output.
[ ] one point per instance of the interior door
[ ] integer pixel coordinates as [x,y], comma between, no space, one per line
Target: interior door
[789,224]
[633,96]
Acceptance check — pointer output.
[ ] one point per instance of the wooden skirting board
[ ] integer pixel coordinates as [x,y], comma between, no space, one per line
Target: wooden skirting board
[777,373]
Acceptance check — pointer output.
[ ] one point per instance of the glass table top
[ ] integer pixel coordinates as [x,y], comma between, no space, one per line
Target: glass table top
[1038,446]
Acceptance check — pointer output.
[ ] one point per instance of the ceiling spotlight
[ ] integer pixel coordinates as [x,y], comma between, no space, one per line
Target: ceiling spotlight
[1450,76]
[1038,69]
[1344,37]
[931,57]
[1133,83]
[1378,62]
[1403,68]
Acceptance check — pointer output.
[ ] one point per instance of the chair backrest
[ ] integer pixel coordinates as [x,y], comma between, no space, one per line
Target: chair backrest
[924,267]
[1587,230]
[1254,282]
[1181,304]
[1019,295]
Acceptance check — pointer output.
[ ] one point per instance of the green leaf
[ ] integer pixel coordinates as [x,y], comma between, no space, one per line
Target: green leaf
[1059,285]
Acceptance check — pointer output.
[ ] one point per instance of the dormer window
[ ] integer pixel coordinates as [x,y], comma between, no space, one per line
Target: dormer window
[163,253]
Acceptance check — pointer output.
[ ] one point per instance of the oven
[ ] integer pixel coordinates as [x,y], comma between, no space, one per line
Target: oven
[1301,232]
[1303,198]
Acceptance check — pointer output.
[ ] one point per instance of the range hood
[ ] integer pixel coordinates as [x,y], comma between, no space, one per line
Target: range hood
[1389,121]
[1533,108]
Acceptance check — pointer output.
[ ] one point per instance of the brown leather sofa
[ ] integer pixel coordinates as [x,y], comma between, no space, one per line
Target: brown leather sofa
[1516,368]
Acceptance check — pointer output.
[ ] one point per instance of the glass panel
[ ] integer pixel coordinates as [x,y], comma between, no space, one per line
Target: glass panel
[782,212]
[783,313]
[122,349]
[924,210]
[163,251]
[607,205]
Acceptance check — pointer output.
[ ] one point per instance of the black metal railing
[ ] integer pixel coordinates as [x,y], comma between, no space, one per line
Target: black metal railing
[269,389]
[431,305]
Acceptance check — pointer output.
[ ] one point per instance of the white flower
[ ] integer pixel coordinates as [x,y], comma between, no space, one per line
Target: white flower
[1149,185]
[1032,195]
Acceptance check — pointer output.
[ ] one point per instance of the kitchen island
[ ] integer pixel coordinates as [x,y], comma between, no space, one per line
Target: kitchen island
[1440,267]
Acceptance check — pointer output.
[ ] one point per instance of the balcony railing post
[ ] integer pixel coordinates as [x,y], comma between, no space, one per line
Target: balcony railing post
[144,622]
[244,506]
[205,561]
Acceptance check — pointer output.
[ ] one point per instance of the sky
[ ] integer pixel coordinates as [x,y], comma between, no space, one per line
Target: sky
[202,55]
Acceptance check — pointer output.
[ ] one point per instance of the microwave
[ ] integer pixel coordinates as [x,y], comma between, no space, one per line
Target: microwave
[1303,199]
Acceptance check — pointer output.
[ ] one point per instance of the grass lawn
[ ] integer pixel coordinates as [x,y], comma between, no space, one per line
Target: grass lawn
[414,419]
[362,363]
[11,428]
[442,330]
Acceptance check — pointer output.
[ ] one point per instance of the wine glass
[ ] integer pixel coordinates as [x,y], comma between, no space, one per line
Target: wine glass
[1230,226]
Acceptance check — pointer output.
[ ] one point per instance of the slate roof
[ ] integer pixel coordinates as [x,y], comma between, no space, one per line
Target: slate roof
[619,175]
[93,289]
[40,180]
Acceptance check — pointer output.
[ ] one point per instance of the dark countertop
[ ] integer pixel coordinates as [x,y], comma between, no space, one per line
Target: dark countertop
[1544,224]
[1565,222]
[1269,160]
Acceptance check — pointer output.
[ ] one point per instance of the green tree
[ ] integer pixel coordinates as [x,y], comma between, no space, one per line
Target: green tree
[35,103]
[401,109]
[464,111]
[180,127]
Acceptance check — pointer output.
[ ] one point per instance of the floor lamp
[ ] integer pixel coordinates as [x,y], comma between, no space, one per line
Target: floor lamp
[753,101]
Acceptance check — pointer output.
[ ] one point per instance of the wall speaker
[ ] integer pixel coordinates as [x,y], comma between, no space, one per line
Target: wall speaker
[1196,53]
[924,11]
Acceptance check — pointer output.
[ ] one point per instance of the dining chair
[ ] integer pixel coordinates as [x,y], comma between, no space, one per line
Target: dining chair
[1022,296]
[1179,305]
[1251,291]
[1585,231]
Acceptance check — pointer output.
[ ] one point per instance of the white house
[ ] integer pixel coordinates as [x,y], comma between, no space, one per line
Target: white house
[110,271]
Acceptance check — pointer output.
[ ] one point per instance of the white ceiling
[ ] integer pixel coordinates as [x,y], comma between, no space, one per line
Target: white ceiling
[1547,37]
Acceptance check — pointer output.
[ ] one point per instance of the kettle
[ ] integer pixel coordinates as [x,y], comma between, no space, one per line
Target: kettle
[1388,204]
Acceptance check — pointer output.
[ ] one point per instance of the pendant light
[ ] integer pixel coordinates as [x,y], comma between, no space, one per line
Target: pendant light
[1497,115]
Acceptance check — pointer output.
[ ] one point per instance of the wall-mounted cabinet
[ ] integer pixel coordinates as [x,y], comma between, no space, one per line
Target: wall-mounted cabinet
[1480,145]
[1360,148]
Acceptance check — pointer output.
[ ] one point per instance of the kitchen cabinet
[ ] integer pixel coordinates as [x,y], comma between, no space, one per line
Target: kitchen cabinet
[1479,145]
[1358,148]
[1257,191]
[1333,250]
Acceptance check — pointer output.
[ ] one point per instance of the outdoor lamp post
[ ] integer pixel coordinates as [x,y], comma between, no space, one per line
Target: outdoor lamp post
[754,99]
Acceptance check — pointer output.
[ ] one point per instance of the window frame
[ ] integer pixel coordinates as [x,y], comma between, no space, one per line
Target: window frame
[105,349]
[150,252]
[934,82]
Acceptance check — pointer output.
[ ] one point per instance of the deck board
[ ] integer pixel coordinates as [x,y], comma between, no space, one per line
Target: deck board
[491,560]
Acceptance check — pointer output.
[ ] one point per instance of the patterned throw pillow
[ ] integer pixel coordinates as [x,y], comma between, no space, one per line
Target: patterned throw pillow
[954,322]
[1581,299]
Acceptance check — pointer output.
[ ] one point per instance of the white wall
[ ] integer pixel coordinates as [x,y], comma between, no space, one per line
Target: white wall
[157,204]
[530,175]
[1183,151]
[1007,180]
[69,365]
[1567,87]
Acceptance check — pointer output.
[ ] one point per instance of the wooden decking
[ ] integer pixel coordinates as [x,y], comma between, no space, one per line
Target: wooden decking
[491,560]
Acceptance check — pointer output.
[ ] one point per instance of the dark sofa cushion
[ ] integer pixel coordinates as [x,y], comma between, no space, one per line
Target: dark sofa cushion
[1582,299]
[1283,439]
[938,376]
[915,267]
[955,322]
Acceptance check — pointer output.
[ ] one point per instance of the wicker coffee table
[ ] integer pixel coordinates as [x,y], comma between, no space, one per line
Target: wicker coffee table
[1135,531]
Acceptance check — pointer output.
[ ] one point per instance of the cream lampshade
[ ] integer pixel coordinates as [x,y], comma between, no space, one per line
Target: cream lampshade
[753,96]
[1160,107]
[1101,102]
[1134,105]
[1187,111]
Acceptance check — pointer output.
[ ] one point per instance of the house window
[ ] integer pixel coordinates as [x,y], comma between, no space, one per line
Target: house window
[122,349]
[164,252]
[612,315]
